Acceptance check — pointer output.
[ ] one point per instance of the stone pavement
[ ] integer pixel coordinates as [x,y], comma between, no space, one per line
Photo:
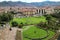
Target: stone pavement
[6,34]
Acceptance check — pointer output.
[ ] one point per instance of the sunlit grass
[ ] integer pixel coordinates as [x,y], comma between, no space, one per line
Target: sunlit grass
[29,20]
[40,33]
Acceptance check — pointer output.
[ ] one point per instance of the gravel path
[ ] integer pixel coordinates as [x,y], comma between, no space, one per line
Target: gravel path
[27,27]
[10,35]
[6,34]
[2,34]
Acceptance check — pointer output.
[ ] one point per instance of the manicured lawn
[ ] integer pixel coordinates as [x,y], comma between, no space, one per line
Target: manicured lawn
[29,20]
[34,32]
[51,33]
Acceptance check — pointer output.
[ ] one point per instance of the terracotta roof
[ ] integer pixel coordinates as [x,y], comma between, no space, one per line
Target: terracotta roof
[27,10]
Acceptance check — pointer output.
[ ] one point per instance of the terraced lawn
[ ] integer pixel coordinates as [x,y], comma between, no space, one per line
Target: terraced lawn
[29,20]
[34,32]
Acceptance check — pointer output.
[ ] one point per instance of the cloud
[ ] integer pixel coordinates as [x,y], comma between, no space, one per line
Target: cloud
[55,0]
[30,0]
[33,0]
[25,0]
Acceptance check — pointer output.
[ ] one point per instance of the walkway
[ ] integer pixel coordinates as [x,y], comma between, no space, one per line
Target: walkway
[10,35]
[6,34]
[27,27]
[2,34]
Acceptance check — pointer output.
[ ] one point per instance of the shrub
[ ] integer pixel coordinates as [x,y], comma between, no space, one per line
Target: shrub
[14,24]
[20,25]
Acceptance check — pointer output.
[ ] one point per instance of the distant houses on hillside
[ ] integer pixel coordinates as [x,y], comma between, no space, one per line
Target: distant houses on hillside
[27,11]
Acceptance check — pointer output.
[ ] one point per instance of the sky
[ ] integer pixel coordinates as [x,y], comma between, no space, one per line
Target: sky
[29,0]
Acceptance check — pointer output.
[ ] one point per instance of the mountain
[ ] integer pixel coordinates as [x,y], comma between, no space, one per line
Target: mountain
[33,4]
[46,3]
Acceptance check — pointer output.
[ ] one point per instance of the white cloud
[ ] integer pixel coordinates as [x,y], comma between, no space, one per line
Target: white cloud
[30,0]
[33,0]
[4,0]
[25,0]
[55,0]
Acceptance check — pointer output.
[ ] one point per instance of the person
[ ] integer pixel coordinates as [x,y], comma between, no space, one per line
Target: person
[10,29]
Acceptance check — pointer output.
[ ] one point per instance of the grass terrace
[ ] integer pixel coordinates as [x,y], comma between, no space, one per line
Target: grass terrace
[29,20]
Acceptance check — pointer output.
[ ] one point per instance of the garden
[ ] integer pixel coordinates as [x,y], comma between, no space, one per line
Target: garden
[33,28]
[35,33]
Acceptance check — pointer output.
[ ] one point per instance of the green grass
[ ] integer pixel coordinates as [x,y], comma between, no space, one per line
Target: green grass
[29,20]
[33,32]
[40,33]
[51,34]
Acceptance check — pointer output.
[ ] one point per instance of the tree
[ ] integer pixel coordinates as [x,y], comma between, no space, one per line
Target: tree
[42,25]
[10,16]
[56,14]
[48,18]
[5,17]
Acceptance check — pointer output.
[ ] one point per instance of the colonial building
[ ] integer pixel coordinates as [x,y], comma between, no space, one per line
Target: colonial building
[40,11]
[28,11]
